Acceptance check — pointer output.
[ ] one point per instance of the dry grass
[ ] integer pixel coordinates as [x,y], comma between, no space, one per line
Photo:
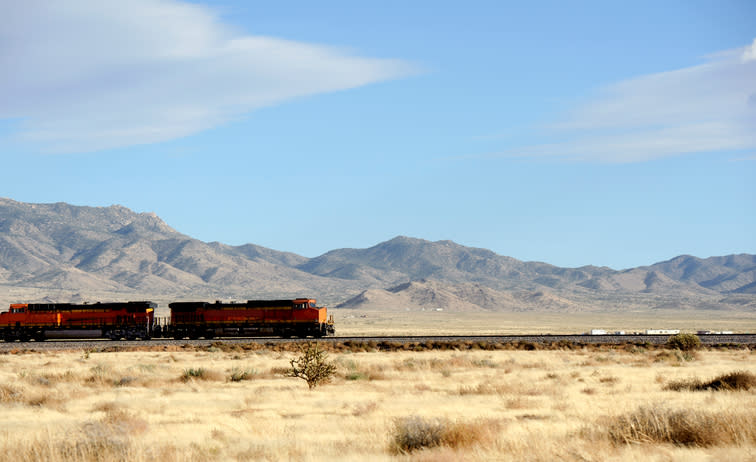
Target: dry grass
[687,427]
[415,433]
[732,381]
[200,373]
[236,403]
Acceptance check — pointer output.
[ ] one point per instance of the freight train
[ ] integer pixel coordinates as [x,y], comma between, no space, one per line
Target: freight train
[299,317]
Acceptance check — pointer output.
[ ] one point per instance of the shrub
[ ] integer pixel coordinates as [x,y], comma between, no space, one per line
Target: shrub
[414,433]
[193,373]
[199,374]
[684,342]
[312,366]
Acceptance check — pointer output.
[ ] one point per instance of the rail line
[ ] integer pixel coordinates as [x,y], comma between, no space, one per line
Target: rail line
[707,339]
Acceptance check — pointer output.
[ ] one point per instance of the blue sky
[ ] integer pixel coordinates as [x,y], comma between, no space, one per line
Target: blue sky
[568,132]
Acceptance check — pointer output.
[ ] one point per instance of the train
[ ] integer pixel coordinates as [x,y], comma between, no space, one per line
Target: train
[299,317]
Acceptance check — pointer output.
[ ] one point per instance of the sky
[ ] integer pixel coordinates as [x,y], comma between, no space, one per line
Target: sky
[615,134]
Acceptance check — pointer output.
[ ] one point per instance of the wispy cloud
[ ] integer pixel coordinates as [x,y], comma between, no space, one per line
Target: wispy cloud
[86,75]
[710,107]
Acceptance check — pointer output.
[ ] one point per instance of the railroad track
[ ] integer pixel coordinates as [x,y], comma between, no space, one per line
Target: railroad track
[708,339]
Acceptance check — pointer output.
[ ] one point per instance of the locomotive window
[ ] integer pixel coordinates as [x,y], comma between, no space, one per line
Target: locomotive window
[17,310]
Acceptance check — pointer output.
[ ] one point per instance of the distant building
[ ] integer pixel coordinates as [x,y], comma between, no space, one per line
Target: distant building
[662,331]
[598,332]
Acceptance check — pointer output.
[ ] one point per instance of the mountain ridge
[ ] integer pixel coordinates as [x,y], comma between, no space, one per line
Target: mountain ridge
[114,249]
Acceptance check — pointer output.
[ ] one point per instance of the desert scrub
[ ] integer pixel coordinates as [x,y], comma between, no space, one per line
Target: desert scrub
[732,381]
[683,427]
[675,356]
[684,342]
[11,394]
[238,375]
[485,388]
[414,433]
[199,373]
[354,371]
[312,365]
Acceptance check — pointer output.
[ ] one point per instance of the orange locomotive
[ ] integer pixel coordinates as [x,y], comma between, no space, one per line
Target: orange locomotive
[299,317]
[41,321]
[131,320]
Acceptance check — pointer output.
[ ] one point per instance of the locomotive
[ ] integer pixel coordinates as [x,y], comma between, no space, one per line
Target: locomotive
[299,317]
[41,321]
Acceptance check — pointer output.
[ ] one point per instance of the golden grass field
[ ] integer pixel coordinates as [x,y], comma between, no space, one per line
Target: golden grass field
[232,403]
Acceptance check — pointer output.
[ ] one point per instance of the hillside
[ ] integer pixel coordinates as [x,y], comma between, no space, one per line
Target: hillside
[60,246]
[61,251]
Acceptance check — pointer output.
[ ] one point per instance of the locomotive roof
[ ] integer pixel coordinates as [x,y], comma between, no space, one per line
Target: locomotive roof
[90,306]
[248,304]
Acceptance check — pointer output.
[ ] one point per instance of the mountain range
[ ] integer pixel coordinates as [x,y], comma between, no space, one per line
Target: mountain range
[62,252]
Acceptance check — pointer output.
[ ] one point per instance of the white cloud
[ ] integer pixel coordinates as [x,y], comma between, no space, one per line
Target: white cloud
[85,75]
[710,107]
[750,52]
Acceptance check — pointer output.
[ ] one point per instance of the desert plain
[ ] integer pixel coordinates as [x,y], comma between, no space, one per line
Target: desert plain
[236,402]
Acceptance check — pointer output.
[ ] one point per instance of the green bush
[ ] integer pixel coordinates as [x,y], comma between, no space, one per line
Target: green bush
[193,373]
[684,342]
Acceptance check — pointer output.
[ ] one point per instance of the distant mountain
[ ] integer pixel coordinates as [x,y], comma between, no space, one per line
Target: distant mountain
[405,258]
[432,295]
[62,246]
[65,249]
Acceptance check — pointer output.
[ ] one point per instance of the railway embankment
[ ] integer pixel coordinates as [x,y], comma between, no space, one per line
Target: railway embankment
[382,343]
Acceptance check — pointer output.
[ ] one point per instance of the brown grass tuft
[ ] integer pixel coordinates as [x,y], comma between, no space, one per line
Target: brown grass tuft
[414,433]
[732,381]
[11,394]
[684,427]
